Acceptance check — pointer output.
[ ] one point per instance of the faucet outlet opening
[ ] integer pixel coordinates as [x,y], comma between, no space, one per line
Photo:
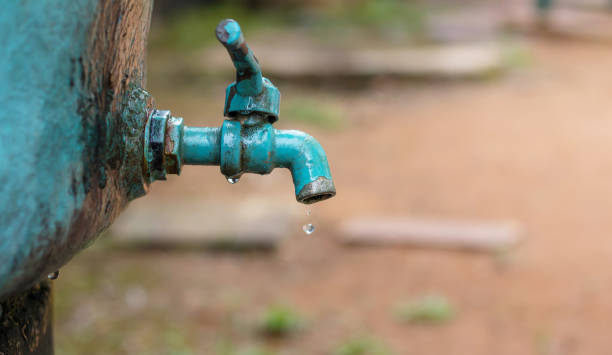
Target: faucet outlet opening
[319,190]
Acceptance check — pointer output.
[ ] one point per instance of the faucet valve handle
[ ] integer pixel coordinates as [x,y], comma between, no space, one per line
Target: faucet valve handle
[251,93]
[248,73]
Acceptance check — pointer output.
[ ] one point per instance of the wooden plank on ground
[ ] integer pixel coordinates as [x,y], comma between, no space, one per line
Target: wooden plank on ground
[435,233]
[204,224]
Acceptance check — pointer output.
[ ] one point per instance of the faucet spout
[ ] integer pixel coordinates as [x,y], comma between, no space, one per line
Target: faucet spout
[306,159]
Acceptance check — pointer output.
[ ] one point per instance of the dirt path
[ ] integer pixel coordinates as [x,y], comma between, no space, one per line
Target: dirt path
[534,147]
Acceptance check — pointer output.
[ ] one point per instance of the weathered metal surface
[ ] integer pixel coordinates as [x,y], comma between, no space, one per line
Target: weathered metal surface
[173,150]
[246,142]
[154,141]
[251,146]
[73,113]
[26,322]
[251,92]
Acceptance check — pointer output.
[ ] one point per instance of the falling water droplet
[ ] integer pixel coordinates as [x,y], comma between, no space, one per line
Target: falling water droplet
[54,275]
[232,180]
[308,211]
[308,228]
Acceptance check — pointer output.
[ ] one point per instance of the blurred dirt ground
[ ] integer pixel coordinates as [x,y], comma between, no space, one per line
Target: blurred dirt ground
[533,146]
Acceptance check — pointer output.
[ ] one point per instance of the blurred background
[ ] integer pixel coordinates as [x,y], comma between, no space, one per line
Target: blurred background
[471,147]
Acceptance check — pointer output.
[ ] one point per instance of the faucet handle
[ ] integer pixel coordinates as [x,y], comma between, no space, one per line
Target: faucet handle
[251,93]
[248,73]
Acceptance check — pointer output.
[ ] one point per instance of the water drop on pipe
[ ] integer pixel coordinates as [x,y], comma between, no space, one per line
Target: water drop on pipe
[232,180]
[308,228]
[54,275]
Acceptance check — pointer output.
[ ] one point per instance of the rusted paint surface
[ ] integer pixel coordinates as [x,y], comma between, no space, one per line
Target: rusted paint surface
[26,322]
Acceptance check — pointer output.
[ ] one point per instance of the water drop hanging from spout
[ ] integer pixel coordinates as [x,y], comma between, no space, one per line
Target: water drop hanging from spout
[232,180]
[54,275]
[308,228]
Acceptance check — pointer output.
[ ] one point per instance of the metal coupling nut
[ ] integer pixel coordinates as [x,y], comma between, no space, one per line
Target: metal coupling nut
[163,135]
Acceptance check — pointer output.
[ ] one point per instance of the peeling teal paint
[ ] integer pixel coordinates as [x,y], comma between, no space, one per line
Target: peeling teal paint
[38,80]
[73,113]
[232,28]
[251,92]
[136,105]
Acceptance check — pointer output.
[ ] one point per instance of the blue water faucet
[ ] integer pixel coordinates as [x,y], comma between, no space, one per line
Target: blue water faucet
[246,142]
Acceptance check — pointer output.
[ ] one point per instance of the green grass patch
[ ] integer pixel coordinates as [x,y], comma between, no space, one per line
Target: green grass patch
[176,342]
[280,321]
[389,20]
[430,309]
[313,112]
[362,346]
[517,56]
